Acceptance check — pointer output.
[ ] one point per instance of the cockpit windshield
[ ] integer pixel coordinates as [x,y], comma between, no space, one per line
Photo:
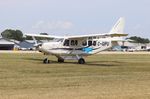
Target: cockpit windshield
[58,40]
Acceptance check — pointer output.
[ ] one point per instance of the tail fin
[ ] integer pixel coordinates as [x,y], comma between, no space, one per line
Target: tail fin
[118,27]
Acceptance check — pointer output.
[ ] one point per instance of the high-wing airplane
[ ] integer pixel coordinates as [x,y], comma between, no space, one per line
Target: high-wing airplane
[80,46]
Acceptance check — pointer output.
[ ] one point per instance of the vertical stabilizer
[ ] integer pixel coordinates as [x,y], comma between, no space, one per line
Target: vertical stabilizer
[118,27]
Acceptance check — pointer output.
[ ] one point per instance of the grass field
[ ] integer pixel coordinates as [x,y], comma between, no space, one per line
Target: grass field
[104,76]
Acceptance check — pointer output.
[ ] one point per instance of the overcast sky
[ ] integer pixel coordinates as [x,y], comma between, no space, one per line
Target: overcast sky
[71,17]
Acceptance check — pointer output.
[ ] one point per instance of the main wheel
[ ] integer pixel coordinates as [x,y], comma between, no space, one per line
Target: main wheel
[81,61]
[60,60]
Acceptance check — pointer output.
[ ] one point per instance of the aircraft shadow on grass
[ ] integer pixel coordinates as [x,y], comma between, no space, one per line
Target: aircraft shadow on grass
[90,63]
[104,63]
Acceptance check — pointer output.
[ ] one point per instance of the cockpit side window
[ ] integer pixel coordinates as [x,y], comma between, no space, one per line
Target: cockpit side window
[72,42]
[66,42]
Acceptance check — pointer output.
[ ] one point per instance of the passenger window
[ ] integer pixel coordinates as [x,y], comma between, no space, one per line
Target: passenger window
[76,42]
[89,43]
[94,43]
[66,43]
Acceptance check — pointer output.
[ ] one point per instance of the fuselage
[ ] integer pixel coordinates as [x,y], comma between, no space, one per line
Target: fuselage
[84,47]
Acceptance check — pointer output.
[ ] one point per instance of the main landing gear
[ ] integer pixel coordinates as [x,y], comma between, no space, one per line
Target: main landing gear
[60,60]
[46,61]
[81,61]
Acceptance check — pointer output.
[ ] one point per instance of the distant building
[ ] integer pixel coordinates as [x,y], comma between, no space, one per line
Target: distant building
[129,46]
[27,44]
[6,44]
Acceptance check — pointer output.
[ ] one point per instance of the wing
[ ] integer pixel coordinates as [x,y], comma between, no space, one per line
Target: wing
[116,31]
[34,36]
[43,36]
[98,35]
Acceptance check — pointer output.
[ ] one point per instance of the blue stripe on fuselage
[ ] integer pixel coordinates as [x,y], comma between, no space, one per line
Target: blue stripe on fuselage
[87,50]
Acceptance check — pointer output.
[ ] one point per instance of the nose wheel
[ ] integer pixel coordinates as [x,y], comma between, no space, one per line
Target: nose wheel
[46,61]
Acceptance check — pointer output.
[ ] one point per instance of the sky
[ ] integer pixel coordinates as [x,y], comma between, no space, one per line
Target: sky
[74,17]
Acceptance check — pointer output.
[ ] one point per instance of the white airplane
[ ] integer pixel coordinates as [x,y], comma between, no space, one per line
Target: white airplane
[78,47]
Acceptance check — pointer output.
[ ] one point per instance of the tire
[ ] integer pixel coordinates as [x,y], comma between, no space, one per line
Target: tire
[48,61]
[81,61]
[60,60]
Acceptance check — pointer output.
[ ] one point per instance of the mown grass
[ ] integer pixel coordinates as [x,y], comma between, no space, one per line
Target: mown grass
[125,76]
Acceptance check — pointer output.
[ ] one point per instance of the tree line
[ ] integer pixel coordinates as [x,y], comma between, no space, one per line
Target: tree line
[13,34]
[139,40]
[18,35]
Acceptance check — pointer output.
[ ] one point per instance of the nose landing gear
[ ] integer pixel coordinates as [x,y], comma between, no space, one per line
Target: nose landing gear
[46,61]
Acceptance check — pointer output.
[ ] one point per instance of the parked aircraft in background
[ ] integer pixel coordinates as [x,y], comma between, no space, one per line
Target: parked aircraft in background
[80,46]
